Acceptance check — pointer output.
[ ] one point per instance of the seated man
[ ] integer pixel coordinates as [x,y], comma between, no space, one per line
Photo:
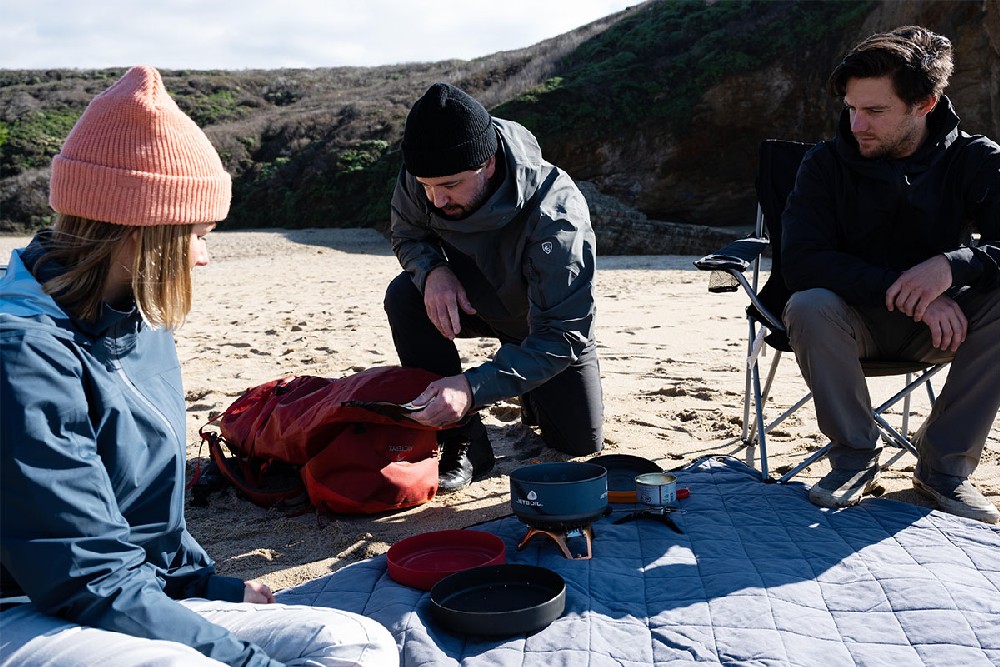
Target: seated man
[495,242]
[876,249]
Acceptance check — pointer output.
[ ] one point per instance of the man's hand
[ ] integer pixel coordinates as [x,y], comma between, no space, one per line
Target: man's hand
[919,286]
[443,296]
[947,323]
[444,401]
[257,592]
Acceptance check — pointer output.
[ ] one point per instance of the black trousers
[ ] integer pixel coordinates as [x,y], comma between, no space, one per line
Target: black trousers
[569,407]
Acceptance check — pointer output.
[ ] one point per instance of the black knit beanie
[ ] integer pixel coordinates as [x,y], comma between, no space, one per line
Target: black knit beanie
[447,132]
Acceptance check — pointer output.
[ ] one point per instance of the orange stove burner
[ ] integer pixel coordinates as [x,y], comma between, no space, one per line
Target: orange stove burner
[564,539]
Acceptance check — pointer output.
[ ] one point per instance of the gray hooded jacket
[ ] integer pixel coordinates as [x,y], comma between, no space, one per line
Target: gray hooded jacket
[525,258]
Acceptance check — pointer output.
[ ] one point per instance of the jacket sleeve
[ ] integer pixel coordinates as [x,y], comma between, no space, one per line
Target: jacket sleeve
[416,246]
[192,575]
[559,266]
[810,253]
[64,539]
[979,266]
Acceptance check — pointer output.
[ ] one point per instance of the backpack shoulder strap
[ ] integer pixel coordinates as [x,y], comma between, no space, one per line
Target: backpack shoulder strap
[250,477]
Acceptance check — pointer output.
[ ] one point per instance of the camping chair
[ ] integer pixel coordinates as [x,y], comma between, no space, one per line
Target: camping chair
[777,166]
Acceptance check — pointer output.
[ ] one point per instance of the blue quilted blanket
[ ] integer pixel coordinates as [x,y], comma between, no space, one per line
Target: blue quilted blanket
[759,577]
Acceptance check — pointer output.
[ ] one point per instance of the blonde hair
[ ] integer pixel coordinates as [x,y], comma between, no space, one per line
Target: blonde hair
[160,268]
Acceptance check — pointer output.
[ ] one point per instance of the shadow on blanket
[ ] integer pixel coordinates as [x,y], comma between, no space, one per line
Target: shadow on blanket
[759,575]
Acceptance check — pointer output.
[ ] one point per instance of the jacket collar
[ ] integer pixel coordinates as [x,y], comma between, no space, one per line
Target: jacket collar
[524,174]
[23,295]
[943,129]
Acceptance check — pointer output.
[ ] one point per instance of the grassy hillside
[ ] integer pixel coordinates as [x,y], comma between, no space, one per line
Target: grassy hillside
[667,99]
[657,63]
[306,147]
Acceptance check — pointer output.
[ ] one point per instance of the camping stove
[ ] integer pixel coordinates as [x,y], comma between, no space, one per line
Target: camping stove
[560,500]
[574,543]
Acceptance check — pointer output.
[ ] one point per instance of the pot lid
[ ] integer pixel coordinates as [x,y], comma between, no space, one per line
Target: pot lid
[422,560]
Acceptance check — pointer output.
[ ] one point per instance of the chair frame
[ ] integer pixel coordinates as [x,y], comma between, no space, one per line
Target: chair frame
[733,261]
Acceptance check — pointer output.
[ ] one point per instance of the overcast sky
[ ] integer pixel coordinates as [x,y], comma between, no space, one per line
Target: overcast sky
[259,34]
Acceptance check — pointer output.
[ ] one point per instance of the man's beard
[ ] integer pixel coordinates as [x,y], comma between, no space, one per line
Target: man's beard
[455,212]
[903,144]
[460,212]
[879,150]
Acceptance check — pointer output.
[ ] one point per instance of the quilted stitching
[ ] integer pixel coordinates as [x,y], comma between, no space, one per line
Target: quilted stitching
[760,576]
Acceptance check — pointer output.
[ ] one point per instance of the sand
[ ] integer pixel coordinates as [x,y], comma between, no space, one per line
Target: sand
[276,303]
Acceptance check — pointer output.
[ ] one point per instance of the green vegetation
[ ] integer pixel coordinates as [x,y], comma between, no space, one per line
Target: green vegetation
[34,138]
[319,147]
[291,192]
[216,107]
[362,156]
[656,64]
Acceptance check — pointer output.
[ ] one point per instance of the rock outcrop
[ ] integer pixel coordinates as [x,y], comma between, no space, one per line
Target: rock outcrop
[316,148]
[705,176]
[623,230]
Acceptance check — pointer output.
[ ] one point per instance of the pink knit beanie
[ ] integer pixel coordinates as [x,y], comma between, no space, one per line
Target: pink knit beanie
[134,158]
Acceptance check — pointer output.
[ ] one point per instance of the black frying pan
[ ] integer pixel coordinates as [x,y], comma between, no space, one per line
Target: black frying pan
[498,600]
[622,471]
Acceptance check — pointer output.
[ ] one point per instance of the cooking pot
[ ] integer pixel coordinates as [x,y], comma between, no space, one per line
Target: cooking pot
[559,496]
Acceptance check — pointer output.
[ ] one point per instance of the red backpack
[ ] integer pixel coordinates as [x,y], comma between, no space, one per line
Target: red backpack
[342,441]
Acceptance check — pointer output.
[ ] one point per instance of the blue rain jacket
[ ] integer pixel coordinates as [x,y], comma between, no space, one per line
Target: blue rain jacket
[92,458]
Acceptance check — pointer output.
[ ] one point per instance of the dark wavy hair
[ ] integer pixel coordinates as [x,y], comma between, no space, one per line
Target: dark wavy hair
[917,60]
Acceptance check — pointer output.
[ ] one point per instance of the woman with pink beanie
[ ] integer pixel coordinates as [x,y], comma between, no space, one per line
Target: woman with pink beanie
[96,564]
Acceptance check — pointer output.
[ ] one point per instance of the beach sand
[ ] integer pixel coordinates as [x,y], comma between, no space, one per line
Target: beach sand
[278,303]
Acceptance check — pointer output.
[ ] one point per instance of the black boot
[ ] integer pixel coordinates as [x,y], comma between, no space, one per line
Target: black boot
[529,416]
[466,454]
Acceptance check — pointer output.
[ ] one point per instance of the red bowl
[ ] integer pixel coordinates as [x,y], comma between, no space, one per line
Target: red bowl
[422,560]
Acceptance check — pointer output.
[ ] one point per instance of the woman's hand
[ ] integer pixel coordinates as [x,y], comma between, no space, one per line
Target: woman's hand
[257,592]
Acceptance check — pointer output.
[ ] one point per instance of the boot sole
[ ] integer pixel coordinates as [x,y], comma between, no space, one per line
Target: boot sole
[443,490]
[824,498]
[476,476]
[945,504]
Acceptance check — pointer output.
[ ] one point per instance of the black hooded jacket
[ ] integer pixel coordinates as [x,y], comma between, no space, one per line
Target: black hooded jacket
[854,224]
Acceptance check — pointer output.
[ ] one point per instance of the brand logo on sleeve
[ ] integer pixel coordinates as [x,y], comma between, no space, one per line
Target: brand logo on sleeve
[547,247]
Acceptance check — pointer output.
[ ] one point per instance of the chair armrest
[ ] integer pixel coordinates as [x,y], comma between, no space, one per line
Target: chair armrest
[738,255]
